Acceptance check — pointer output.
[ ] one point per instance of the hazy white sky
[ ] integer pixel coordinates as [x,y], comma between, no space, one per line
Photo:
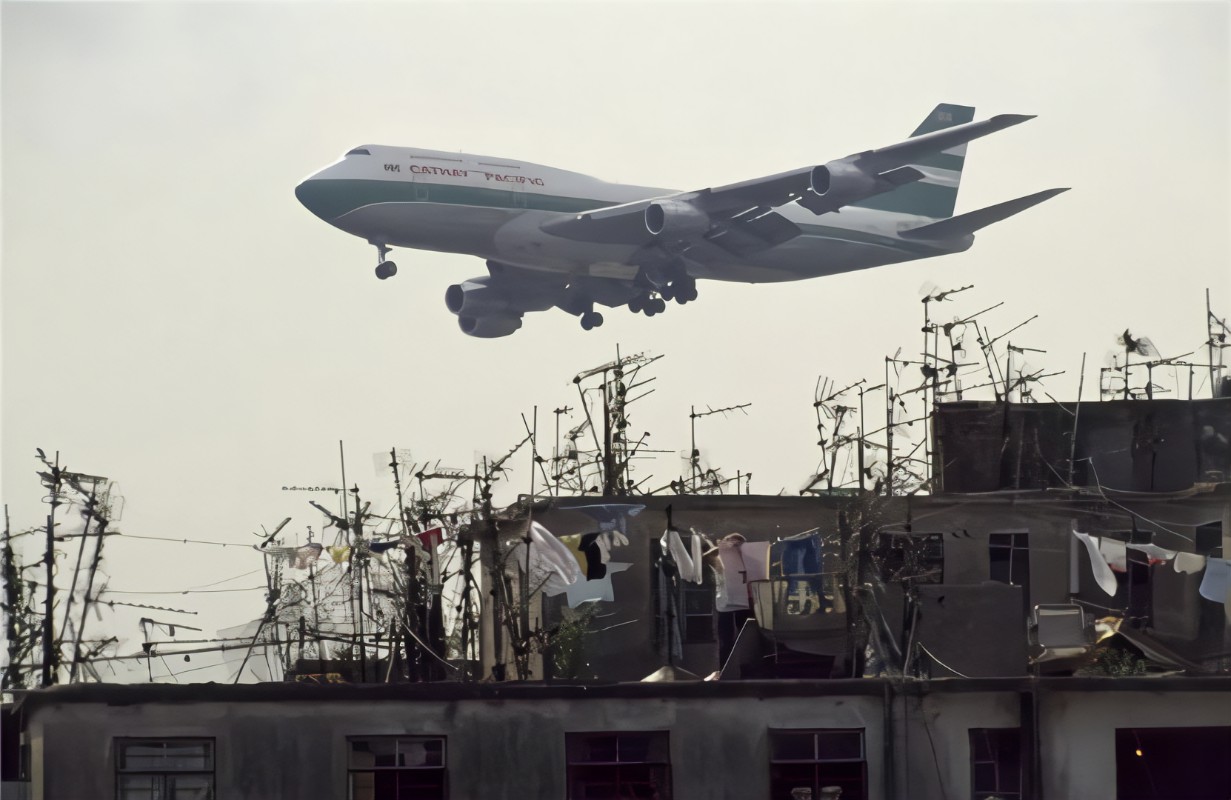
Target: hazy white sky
[173,319]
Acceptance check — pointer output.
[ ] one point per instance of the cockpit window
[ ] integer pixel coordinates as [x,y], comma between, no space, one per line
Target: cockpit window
[359,151]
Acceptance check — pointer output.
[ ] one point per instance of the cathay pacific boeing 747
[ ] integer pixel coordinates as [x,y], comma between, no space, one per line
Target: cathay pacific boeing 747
[553,238]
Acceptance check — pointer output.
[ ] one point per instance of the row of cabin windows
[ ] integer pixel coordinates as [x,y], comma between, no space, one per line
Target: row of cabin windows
[1150,762]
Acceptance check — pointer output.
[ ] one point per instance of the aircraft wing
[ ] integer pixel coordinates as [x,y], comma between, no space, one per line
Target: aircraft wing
[741,217]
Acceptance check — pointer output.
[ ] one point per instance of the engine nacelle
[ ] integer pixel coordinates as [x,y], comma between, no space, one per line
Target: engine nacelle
[481,297]
[841,183]
[675,218]
[492,326]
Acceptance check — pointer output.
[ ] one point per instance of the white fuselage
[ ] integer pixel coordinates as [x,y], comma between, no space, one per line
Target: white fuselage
[494,208]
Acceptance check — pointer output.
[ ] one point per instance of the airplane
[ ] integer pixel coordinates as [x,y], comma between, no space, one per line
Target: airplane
[553,238]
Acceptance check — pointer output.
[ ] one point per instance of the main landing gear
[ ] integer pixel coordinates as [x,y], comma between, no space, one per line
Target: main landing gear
[591,320]
[681,291]
[384,269]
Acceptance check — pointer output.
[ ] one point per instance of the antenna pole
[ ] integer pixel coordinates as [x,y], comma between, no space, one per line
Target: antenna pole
[49,650]
[1076,415]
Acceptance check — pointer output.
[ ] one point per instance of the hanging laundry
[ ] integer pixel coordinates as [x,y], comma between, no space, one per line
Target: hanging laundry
[431,538]
[1188,563]
[1216,584]
[383,547]
[673,548]
[742,562]
[593,590]
[339,554]
[552,565]
[795,555]
[1153,552]
[304,556]
[697,546]
[611,517]
[586,549]
[1098,565]
[1115,553]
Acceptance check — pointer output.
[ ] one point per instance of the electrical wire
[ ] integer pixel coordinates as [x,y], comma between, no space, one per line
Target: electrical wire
[180,541]
[189,591]
[938,661]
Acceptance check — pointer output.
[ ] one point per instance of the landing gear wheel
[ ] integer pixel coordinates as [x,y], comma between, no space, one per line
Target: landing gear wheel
[660,305]
[386,269]
[667,292]
[591,320]
[636,304]
[685,291]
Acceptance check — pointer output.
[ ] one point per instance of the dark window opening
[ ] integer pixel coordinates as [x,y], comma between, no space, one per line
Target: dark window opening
[1189,763]
[396,768]
[816,759]
[919,557]
[697,602]
[147,769]
[618,765]
[995,764]
[1009,562]
[359,151]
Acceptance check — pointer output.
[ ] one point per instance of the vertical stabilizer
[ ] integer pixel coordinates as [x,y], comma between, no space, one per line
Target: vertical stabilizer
[936,195]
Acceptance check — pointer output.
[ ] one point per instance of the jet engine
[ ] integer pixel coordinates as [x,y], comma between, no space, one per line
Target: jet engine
[675,218]
[492,326]
[842,183]
[489,307]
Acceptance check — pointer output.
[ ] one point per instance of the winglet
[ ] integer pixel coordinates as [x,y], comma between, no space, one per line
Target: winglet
[966,224]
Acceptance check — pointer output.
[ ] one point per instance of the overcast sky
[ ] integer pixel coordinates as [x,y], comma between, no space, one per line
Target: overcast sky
[175,320]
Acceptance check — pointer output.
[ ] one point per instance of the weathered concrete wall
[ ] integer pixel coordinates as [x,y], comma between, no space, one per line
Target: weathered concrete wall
[514,746]
[497,750]
[1078,733]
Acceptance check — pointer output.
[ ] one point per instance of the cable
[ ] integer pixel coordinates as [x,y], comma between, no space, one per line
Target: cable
[225,580]
[938,661]
[179,541]
[189,591]
[1099,484]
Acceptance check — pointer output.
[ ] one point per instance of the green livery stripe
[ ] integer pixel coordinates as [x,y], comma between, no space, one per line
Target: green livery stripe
[863,237]
[330,199]
[941,161]
[924,199]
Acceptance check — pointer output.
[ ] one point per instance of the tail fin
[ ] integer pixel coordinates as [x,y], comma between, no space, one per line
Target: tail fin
[936,195]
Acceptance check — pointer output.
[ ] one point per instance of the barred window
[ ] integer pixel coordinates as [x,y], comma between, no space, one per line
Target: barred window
[396,768]
[816,759]
[618,765]
[164,769]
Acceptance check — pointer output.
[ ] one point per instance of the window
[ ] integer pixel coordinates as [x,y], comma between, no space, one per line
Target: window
[816,759]
[1173,762]
[396,768]
[164,769]
[359,151]
[917,556]
[995,764]
[697,601]
[604,766]
[1010,558]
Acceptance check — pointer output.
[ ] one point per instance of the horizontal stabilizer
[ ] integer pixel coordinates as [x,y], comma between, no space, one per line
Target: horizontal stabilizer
[965,224]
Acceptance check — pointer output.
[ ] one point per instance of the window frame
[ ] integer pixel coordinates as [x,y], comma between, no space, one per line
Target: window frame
[705,591]
[442,769]
[120,743]
[573,740]
[818,762]
[1001,793]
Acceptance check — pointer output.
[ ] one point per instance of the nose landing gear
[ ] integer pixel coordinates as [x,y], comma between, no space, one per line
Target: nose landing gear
[384,269]
[591,320]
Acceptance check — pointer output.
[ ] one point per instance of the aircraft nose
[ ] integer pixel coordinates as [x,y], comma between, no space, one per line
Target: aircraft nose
[314,195]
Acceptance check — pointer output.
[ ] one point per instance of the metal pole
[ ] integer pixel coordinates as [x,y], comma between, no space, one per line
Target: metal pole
[50,662]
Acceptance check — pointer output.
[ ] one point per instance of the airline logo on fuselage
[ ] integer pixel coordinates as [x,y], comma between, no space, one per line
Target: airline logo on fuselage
[419,169]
